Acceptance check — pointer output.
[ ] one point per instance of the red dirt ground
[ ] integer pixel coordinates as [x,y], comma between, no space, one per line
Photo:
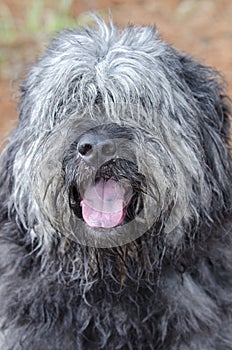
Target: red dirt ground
[199,27]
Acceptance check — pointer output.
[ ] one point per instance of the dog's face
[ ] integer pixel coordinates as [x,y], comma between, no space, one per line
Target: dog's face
[115,139]
[106,182]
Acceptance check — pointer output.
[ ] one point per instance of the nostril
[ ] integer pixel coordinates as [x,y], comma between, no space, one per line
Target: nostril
[108,148]
[85,149]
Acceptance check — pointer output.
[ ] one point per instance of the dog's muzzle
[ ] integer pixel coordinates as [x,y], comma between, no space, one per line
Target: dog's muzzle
[110,194]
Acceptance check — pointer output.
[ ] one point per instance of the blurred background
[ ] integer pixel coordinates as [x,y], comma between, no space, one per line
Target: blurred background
[199,27]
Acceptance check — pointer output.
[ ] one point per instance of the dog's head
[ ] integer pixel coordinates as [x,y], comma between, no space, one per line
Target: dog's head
[119,134]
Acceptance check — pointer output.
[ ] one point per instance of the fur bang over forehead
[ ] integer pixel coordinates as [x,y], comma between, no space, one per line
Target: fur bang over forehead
[108,68]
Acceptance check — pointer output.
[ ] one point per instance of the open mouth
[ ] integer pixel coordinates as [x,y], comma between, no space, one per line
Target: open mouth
[106,202]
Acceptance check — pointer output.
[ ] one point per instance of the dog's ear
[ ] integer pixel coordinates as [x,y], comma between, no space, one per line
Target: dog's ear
[214,114]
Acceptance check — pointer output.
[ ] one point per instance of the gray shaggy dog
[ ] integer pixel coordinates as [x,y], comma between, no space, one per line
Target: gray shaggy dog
[116,200]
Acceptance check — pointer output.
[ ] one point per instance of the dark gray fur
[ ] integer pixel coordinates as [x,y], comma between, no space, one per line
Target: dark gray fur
[166,290]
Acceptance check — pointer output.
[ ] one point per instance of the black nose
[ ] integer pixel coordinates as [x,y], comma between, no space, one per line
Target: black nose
[96,149]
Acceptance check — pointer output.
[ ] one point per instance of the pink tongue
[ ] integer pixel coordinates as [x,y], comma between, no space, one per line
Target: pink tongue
[103,204]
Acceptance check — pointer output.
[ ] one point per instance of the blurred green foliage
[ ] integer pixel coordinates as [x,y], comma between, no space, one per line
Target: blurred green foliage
[7,25]
[49,20]
[35,26]
[38,19]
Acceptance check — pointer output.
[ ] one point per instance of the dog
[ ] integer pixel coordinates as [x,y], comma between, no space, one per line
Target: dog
[116,199]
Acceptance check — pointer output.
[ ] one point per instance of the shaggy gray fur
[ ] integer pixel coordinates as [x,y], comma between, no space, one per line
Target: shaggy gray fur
[122,107]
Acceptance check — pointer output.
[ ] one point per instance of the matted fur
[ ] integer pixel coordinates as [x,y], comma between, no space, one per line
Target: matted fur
[65,285]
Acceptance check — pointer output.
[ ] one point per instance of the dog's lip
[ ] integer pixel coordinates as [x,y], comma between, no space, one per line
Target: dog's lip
[104,203]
